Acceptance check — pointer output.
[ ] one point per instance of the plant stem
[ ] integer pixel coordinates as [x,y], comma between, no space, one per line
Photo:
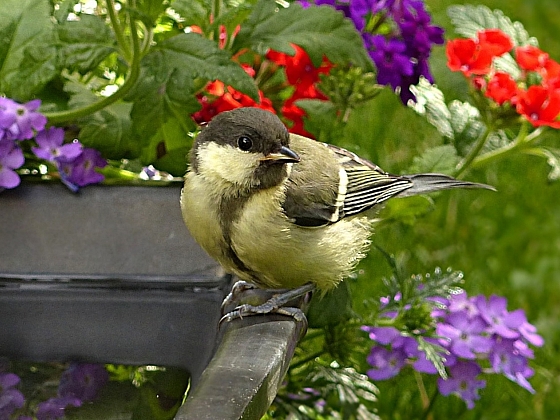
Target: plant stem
[118,30]
[131,79]
[307,359]
[473,153]
[422,389]
[428,410]
[523,141]
[216,12]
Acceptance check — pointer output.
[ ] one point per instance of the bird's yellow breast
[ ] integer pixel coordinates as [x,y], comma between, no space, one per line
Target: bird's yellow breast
[286,255]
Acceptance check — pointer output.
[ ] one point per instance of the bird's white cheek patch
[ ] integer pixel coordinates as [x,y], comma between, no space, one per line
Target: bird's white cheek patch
[227,164]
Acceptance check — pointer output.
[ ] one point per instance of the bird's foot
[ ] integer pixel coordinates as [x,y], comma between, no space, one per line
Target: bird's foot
[248,300]
[234,297]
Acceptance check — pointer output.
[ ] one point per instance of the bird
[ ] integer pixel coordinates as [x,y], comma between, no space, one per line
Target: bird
[283,211]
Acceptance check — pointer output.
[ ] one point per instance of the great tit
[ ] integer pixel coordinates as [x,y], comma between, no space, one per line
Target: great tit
[280,210]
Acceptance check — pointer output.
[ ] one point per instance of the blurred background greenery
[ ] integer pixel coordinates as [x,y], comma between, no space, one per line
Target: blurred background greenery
[506,243]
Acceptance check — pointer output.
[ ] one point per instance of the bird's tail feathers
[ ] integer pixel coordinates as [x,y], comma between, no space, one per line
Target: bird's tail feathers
[426,183]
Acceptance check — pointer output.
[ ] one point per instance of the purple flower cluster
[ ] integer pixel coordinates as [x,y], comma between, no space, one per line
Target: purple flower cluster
[80,383]
[401,53]
[475,335]
[22,122]
[11,398]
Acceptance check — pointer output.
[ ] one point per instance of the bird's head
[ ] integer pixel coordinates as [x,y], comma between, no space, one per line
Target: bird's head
[243,149]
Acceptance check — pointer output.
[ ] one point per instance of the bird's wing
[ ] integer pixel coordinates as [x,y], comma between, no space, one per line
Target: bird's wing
[330,183]
[368,184]
[314,194]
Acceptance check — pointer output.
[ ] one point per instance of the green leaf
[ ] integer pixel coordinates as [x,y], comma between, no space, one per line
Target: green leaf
[194,12]
[64,8]
[552,157]
[465,123]
[110,132]
[439,159]
[23,23]
[192,56]
[321,119]
[38,67]
[161,95]
[85,43]
[468,20]
[168,148]
[149,10]
[318,30]
[430,103]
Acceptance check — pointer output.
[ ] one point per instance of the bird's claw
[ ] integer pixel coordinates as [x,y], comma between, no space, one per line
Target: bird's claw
[262,302]
[266,308]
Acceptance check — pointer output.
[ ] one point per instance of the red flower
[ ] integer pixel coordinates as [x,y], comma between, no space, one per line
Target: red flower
[303,75]
[501,88]
[299,68]
[227,98]
[474,56]
[495,41]
[466,56]
[550,73]
[540,106]
[295,114]
[530,58]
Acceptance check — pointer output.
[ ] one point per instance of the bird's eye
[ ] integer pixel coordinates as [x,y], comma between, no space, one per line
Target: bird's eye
[244,143]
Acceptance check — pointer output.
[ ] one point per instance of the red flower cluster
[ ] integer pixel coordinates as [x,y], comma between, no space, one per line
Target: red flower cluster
[219,98]
[538,103]
[302,75]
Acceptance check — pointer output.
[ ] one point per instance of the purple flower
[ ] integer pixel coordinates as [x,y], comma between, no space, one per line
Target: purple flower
[51,147]
[83,381]
[390,58]
[10,398]
[528,331]
[460,302]
[81,171]
[11,157]
[54,408]
[463,336]
[507,358]
[386,364]
[463,382]
[17,121]
[500,321]
[416,29]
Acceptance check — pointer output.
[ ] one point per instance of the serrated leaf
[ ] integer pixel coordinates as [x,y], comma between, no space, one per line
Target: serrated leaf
[431,104]
[194,12]
[552,158]
[168,148]
[466,124]
[110,132]
[321,119]
[149,10]
[64,9]
[468,20]
[161,94]
[84,43]
[439,159]
[318,30]
[23,23]
[37,68]
[192,56]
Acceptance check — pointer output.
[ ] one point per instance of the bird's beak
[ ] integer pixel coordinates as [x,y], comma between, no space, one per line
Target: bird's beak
[285,155]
